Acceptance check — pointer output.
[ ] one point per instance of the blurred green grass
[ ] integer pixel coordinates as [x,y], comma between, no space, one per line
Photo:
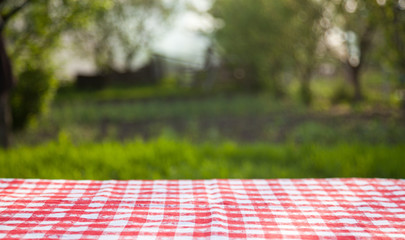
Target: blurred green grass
[238,117]
[169,158]
[239,105]
[160,132]
[69,93]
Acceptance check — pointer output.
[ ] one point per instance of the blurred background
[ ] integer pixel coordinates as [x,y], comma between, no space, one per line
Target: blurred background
[192,89]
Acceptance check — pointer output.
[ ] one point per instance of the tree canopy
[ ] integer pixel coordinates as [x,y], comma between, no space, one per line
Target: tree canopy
[271,39]
[268,38]
[37,29]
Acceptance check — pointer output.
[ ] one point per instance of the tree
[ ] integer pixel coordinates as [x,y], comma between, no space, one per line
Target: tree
[392,14]
[268,39]
[306,34]
[6,74]
[246,40]
[117,38]
[32,35]
[358,20]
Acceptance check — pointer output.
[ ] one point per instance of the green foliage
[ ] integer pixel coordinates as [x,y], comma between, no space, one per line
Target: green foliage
[123,113]
[68,93]
[350,146]
[175,159]
[116,39]
[34,36]
[35,33]
[267,39]
[32,95]
[372,132]
[391,22]
[306,94]
[342,94]
[372,34]
[239,105]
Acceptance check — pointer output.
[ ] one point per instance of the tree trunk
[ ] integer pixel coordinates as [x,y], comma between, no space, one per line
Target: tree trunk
[402,90]
[305,91]
[5,121]
[250,77]
[353,71]
[6,83]
[353,74]
[7,80]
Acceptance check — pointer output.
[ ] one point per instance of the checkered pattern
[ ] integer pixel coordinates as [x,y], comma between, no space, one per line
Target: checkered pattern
[213,209]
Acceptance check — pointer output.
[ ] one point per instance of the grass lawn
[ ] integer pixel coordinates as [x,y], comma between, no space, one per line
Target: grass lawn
[153,133]
[124,113]
[167,158]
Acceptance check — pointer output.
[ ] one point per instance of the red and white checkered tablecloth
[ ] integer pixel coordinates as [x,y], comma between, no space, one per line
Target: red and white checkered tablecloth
[206,209]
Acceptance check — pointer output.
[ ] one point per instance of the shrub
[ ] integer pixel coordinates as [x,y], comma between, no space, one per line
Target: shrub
[32,95]
[306,95]
[341,95]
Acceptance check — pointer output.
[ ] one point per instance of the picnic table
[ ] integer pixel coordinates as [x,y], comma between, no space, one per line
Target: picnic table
[204,209]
